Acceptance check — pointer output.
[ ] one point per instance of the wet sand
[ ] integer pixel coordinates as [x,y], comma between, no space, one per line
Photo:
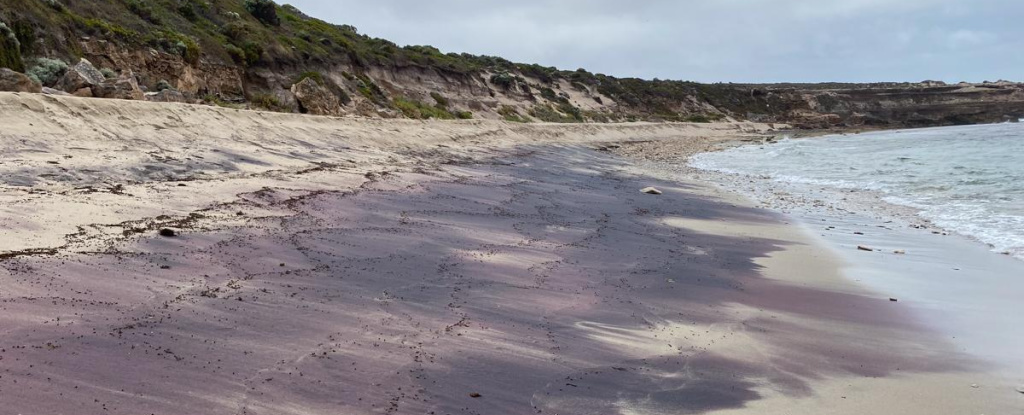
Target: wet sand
[489,276]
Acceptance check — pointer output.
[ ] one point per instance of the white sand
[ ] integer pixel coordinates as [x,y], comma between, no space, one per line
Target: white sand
[370,266]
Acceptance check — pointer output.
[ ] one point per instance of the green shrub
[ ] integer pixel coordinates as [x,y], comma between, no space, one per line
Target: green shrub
[47,71]
[547,113]
[163,85]
[25,32]
[419,110]
[442,102]
[100,27]
[314,75]
[108,73]
[464,115]
[54,4]
[236,53]
[263,10]
[510,114]
[175,43]
[10,49]
[370,90]
[142,9]
[253,53]
[268,102]
[507,81]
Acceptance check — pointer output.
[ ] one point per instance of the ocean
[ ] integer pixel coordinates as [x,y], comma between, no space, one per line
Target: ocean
[966,179]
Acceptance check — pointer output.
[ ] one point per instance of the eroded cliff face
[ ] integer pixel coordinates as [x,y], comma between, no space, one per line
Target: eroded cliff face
[917,105]
[413,91]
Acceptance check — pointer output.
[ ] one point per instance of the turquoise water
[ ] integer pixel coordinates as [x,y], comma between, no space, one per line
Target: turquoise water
[969,180]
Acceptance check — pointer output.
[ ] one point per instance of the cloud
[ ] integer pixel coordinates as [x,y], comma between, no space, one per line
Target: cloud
[722,40]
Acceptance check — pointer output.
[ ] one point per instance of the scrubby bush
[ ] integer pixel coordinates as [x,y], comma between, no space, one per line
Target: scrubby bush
[464,115]
[176,43]
[10,49]
[506,80]
[267,102]
[510,114]
[236,53]
[547,113]
[163,85]
[314,75]
[441,101]
[253,52]
[419,110]
[54,4]
[47,71]
[142,9]
[370,90]
[264,11]
[108,73]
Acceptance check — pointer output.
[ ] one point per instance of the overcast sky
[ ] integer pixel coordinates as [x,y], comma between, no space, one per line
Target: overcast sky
[714,40]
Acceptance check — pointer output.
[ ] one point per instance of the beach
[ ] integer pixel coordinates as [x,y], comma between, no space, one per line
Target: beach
[168,258]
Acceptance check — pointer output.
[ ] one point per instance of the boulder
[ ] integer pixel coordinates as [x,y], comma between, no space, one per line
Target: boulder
[124,87]
[85,92]
[315,98]
[167,95]
[81,75]
[51,91]
[17,82]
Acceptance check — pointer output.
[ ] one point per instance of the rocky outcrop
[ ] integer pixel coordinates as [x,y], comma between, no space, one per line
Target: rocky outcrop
[123,87]
[82,75]
[151,66]
[11,81]
[167,95]
[315,98]
[51,91]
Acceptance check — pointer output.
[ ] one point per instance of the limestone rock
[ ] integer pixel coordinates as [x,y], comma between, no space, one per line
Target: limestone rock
[82,75]
[124,87]
[167,95]
[51,91]
[316,99]
[85,92]
[12,81]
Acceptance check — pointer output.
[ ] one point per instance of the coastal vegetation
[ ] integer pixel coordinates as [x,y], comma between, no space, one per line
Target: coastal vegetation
[261,44]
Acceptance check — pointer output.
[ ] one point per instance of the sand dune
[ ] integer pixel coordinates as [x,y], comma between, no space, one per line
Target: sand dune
[327,266]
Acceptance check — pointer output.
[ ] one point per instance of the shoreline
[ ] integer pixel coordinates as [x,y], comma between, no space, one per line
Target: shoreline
[322,265]
[977,312]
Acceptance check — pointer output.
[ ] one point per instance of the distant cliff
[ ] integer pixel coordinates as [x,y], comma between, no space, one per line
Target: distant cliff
[256,54]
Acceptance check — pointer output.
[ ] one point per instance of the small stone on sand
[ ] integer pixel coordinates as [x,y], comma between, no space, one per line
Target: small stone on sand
[899,252]
[475,395]
[650,191]
[865,248]
[170,233]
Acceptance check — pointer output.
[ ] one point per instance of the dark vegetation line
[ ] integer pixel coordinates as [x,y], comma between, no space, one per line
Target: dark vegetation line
[43,38]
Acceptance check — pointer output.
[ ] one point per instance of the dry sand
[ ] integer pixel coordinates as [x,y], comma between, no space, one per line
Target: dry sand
[328,266]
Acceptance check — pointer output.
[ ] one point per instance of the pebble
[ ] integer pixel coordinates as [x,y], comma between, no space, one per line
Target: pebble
[650,191]
[865,248]
[899,252]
